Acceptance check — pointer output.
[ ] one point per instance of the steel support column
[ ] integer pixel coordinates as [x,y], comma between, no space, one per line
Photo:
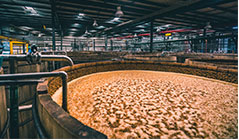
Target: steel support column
[111,45]
[126,45]
[74,45]
[61,41]
[151,35]
[14,121]
[53,25]
[23,47]
[204,40]
[94,44]
[234,39]
[106,43]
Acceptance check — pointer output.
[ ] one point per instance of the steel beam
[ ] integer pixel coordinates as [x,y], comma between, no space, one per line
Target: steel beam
[175,9]
[224,9]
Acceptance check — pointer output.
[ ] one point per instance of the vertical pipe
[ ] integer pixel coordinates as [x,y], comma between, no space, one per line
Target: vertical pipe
[151,35]
[14,129]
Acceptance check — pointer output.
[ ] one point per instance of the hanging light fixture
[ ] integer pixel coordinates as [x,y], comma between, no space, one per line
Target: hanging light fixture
[158,29]
[208,26]
[95,24]
[119,12]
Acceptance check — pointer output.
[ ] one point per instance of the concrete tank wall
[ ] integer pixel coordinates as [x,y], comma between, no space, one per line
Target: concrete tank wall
[202,62]
[228,75]
[59,124]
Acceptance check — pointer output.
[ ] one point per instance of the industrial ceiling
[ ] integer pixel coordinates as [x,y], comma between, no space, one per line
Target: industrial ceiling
[98,17]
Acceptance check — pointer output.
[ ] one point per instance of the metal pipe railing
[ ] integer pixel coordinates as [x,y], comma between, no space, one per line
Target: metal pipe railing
[21,57]
[57,58]
[22,76]
[19,82]
[29,78]
[36,120]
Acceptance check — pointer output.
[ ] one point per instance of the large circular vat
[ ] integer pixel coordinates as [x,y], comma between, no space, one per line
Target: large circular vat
[150,104]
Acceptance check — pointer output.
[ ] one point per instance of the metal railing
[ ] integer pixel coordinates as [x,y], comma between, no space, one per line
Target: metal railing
[29,78]
[41,57]
[10,79]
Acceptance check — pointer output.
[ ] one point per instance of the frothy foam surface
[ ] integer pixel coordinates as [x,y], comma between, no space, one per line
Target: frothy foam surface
[148,104]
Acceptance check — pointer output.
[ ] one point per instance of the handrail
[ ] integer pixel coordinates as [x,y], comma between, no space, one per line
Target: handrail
[21,57]
[39,75]
[36,120]
[57,58]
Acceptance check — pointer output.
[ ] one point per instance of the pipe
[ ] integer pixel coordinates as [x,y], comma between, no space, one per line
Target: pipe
[57,58]
[20,82]
[37,120]
[51,52]
[40,75]
[24,108]
[15,57]
[25,122]
[43,57]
